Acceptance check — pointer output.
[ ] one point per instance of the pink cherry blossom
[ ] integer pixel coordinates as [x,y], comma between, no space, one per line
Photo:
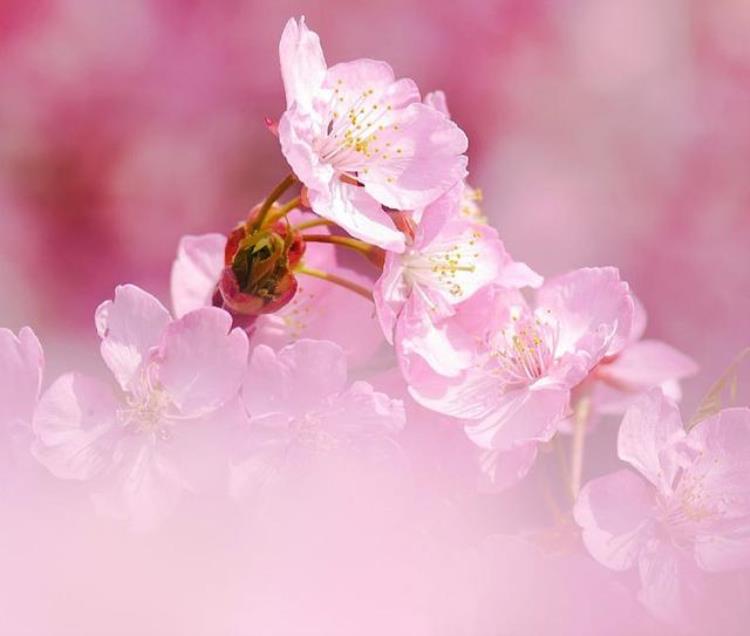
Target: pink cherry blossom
[21,369]
[521,361]
[315,311]
[687,512]
[306,418]
[359,139]
[175,376]
[449,259]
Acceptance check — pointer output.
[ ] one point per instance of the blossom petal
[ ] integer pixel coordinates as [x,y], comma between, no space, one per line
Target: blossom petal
[614,513]
[721,478]
[430,161]
[359,214]
[665,581]
[21,368]
[130,326]
[295,379]
[594,310]
[142,487]
[421,335]
[502,469]
[362,410]
[648,363]
[390,293]
[202,360]
[520,416]
[196,271]
[437,100]
[75,427]
[648,436]
[303,66]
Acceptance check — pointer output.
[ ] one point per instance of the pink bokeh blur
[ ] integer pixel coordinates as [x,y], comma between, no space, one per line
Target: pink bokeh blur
[602,132]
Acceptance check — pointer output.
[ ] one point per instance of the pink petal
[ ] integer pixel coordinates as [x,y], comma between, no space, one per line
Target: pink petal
[296,137]
[502,469]
[303,67]
[21,368]
[421,335]
[143,487]
[646,364]
[520,416]
[362,410]
[196,271]
[130,326]
[594,309]
[260,464]
[359,214]
[666,579]
[202,360]
[295,379]
[516,275]
[648,434]
[720,477]
[76,427]
[614,512]
[436,100]
[353,78]
[390,293]
[431,161]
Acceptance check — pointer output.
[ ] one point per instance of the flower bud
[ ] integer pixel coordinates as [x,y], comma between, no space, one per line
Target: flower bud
[258,276]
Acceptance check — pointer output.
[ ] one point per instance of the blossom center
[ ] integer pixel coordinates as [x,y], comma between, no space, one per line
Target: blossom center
[443,267]
[525,348]
[690,506]
[309,431]
[146,412]
[358,129]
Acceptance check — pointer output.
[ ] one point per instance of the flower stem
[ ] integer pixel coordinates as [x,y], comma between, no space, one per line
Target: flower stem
[282,187]
[336,280]
[344,241]
[582,411]
[312,223]
[283,210]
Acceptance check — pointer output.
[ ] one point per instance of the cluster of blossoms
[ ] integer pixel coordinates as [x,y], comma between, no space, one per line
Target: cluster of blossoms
[384,262]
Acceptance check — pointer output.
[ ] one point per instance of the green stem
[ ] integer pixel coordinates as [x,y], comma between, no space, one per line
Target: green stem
[336,280]
[283,210]
[312,223]
[344,241]
[282,187]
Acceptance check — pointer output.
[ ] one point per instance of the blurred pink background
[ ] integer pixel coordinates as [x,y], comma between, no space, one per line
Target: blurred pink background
[602,132]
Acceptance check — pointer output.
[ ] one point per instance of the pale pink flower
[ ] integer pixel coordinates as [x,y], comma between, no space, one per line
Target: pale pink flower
[689,509]
[315,311]
[446,262]
[174,376]
[359,139]
[521,361]
[306,418]
[21,369]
